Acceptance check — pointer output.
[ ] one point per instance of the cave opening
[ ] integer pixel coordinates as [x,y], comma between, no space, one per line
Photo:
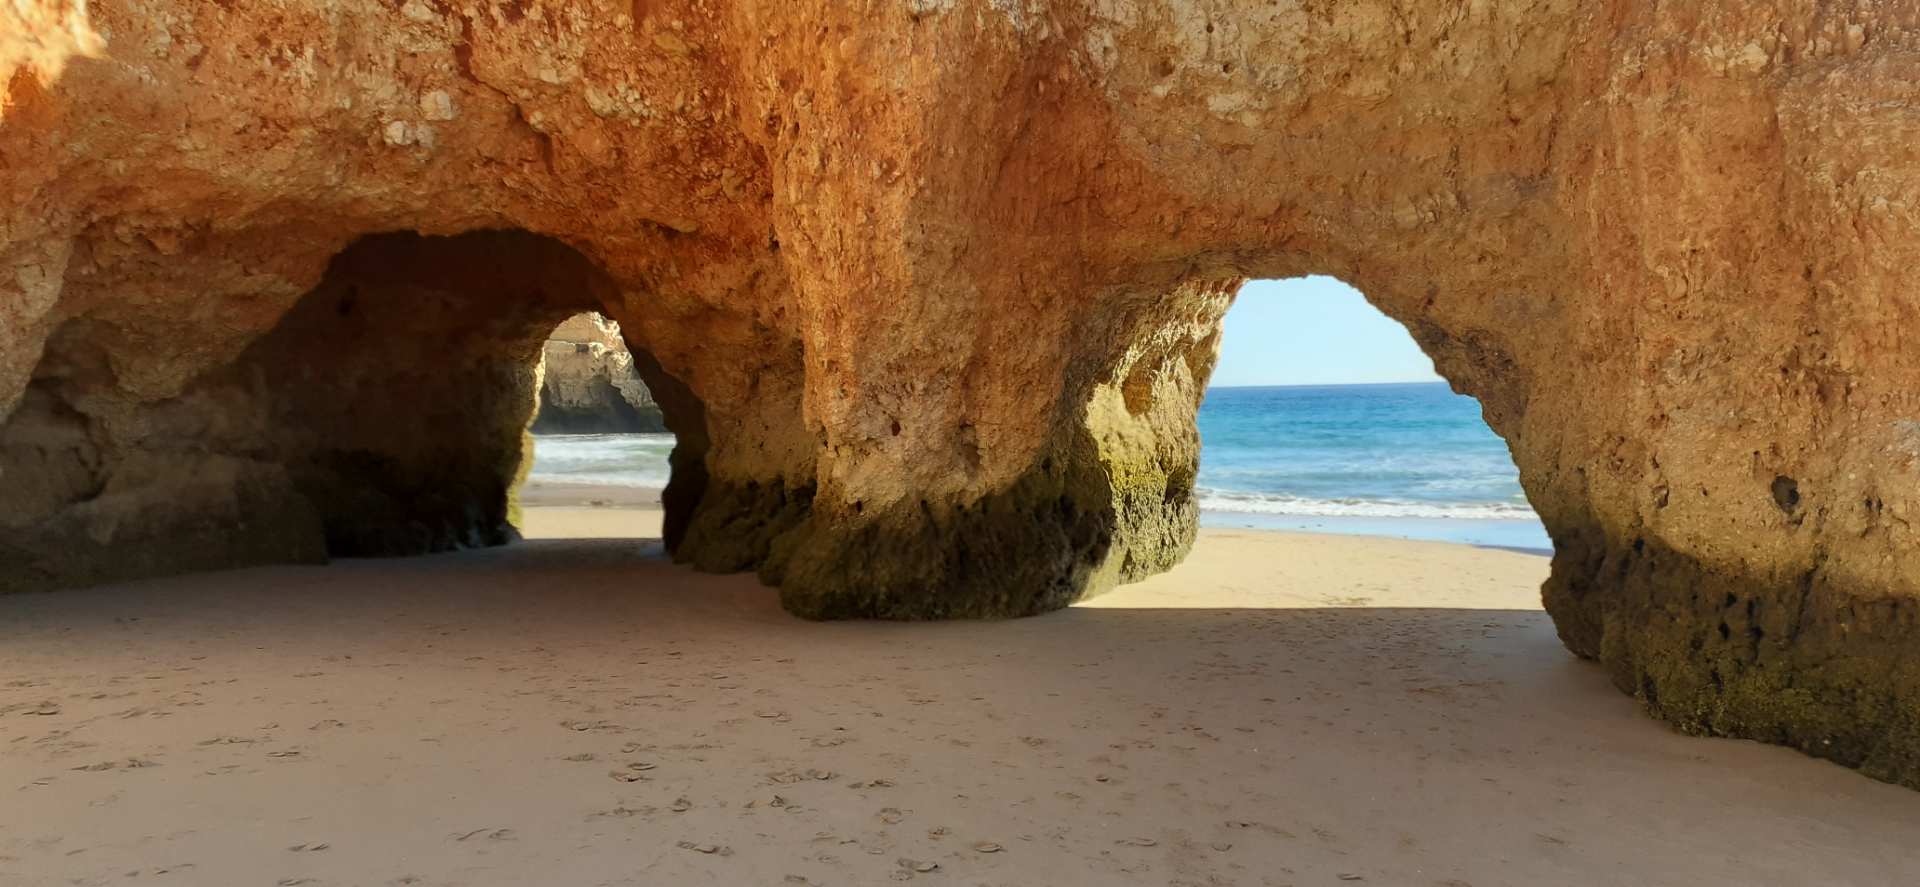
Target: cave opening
[1324,414]
[385,412]
[602,455]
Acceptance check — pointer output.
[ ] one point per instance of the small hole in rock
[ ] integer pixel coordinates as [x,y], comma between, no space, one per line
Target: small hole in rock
[1786,493]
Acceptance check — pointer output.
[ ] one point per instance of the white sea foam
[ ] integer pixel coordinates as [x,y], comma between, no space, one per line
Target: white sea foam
[619,460]
[1280,503]
[636,479]
[640,460]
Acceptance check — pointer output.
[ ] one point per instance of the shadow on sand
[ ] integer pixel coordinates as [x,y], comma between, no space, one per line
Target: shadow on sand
[1099,744]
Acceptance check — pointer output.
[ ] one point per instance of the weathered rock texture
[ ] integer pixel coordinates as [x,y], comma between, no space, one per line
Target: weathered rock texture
[929,289]
[589,384]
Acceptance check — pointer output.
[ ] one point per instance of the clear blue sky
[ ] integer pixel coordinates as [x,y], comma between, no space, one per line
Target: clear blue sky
[1314,331]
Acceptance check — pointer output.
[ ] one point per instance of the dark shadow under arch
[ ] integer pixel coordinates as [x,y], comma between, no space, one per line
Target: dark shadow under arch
[384,414]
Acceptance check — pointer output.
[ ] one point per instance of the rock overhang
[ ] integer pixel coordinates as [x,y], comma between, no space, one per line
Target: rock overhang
[931,288]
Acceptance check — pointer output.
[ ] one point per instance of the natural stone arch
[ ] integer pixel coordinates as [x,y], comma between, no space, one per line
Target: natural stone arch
[942,274]
[385,413]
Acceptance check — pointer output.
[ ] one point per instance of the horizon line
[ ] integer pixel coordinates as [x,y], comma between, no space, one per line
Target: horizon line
[1328,384]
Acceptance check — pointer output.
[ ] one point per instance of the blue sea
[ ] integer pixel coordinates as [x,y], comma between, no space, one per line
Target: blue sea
[1413,461]
[1410,460]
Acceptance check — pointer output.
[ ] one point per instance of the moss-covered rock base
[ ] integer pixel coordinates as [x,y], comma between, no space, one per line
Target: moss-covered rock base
[1794,659]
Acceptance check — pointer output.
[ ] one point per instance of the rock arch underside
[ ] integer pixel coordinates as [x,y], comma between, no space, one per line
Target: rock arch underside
[929,290]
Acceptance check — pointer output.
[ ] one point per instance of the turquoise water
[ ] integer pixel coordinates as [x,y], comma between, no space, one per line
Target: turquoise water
[1412,460]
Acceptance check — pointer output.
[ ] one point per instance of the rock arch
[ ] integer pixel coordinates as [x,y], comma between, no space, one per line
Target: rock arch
[384,413]
[941,277]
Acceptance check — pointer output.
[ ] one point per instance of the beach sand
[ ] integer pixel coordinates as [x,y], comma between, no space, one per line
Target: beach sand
[576,710]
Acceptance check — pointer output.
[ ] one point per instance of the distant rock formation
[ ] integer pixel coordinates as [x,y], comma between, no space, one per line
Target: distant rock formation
[589,384]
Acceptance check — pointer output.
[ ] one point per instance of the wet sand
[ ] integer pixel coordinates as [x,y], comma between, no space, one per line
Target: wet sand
[1283,709]
[550,494]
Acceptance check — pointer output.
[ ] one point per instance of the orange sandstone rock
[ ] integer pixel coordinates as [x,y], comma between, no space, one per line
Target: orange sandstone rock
[589,385]
[929,290]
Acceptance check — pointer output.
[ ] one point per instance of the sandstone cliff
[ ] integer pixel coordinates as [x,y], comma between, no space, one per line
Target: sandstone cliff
[928,291]
[588,384]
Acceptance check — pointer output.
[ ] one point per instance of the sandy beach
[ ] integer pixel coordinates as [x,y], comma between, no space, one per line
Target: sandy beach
[1284,709]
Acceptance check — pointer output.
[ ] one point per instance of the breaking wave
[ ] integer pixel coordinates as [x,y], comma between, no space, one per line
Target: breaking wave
[1279,503]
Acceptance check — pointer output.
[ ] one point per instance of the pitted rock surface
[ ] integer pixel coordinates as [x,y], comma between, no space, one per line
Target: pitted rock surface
[930,291]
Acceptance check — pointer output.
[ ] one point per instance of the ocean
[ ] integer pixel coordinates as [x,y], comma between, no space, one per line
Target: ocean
[1409,460]
[613,460]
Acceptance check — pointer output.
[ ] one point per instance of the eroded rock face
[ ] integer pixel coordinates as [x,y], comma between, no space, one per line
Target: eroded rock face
[929,290]
[589,384]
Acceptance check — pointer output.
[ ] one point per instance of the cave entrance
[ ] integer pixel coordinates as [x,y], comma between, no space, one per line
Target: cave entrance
[602,453]
[385,413]
[1324,415]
